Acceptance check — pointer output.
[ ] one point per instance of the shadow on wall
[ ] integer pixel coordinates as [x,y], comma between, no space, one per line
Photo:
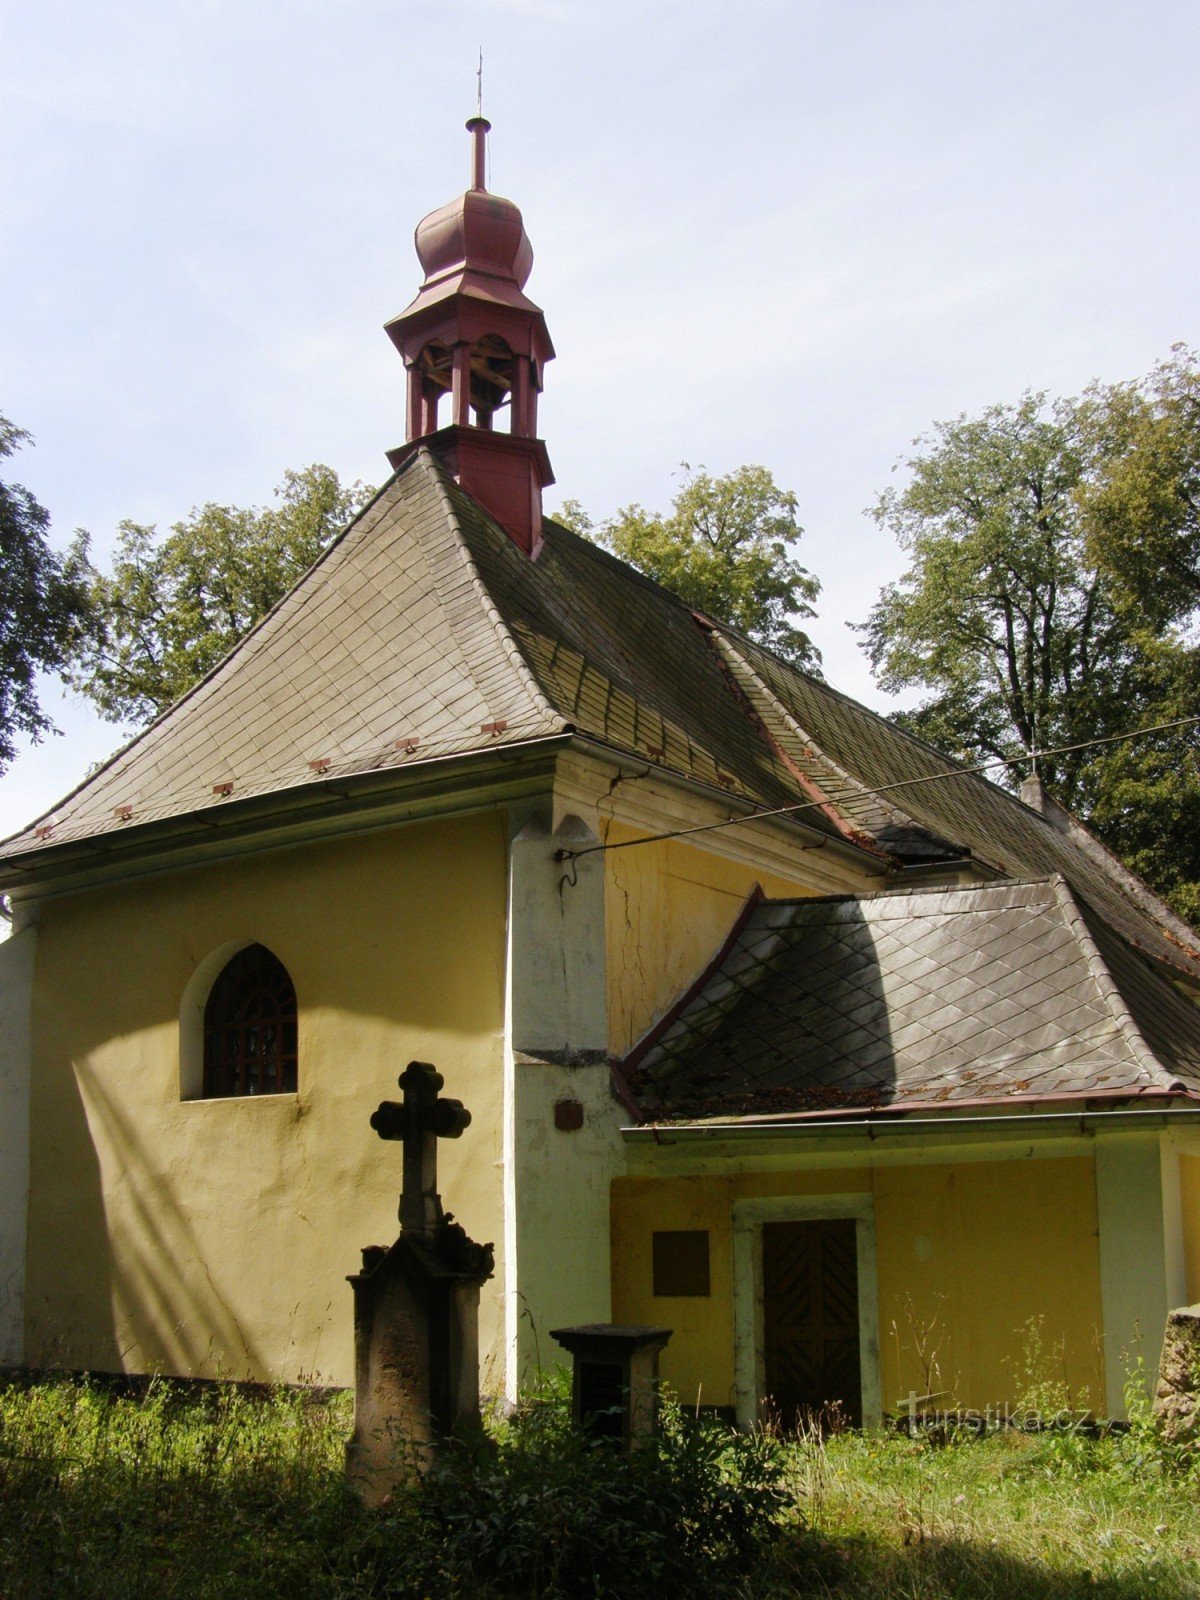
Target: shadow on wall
[142,1296]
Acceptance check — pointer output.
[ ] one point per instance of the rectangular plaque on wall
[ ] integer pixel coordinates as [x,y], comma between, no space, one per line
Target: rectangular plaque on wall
[681,1262]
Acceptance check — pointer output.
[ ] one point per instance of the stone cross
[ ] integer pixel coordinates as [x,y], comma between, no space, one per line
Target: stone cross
[420,1121]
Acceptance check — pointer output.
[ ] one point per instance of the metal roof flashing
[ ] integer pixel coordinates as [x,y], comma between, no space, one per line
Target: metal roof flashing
[998,1123]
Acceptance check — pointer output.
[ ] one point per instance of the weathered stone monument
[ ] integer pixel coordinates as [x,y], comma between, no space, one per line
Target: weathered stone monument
[416,1305]
[1177,1398]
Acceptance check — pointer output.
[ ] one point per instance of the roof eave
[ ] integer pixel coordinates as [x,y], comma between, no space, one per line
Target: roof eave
[327,807]
[865,858]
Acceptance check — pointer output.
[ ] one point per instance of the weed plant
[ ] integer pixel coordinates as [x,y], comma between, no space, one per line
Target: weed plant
[536,1510]
[219,1495]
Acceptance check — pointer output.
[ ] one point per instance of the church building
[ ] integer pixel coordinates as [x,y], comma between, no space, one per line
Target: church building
[777,1027]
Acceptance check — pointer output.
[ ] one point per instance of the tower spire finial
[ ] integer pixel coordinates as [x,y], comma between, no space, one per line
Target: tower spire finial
[479,127]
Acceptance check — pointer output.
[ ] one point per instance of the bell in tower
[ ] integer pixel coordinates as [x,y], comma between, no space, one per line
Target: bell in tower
[475,347]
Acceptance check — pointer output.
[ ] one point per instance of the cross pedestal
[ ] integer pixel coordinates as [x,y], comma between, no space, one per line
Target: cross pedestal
[416,1305]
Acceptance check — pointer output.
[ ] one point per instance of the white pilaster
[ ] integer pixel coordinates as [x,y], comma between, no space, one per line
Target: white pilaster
[1173,1242]
[556,1194]
[16,1052]
[1141,1252]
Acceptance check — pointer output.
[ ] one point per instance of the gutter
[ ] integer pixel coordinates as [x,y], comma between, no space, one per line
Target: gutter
[875,1128]
[341,803]
[335,805]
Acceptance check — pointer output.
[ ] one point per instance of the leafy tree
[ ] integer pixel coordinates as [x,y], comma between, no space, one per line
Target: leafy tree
[724,549]
[43,600]
[1035,623]
[172,607]
[1142,510]
[1143,798]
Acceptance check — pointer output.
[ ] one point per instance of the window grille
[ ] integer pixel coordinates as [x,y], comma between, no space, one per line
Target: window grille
[250,1027]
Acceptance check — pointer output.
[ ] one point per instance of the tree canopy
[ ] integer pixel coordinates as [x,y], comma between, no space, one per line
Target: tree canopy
[172,607]
[43,599]
[726,549]
[1034,617]
[1142,510]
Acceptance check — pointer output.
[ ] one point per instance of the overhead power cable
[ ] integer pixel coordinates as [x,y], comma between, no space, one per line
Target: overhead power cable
[883,788]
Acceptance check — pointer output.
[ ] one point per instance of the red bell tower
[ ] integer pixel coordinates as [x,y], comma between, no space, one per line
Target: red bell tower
[473,335]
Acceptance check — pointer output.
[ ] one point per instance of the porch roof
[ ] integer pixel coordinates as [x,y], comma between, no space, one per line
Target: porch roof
[1000,994]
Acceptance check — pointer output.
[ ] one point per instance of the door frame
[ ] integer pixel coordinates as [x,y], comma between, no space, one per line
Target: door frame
[748,1359]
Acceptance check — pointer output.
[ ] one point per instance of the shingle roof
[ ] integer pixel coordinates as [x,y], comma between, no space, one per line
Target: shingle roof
[624,661]
[953,804]
[425,623]
[389,637]
[996,992]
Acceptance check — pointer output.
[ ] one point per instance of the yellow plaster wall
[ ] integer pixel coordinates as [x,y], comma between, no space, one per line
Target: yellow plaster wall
[698,1362]
[667,908]
[214,1237]
[970,1255]
[967,1255]
[1189,1196]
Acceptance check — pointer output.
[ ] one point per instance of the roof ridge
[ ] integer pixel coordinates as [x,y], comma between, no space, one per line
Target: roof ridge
[907,893]
[726,639]
[1064,821]
[1125,884]
[194,689]
[508,644]
[1070,907]
[952,764]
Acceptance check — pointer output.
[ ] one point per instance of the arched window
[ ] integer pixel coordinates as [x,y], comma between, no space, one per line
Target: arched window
[250,1027]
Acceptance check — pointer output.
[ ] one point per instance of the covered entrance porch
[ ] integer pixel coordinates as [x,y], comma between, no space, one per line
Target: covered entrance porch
[860,1266]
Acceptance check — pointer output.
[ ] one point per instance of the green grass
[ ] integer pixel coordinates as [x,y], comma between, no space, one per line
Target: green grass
[221,1496]
[169,1494]
[1013,1515]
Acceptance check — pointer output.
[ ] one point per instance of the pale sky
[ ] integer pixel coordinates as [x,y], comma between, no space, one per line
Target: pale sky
[781,231]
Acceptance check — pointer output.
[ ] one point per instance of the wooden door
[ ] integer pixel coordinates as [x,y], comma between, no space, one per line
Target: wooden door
[810,1319]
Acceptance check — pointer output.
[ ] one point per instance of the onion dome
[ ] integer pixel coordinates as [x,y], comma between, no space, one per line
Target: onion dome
[478,232]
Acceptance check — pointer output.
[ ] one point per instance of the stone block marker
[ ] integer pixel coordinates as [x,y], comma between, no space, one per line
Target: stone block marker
[614,1387]
[1177,1398]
